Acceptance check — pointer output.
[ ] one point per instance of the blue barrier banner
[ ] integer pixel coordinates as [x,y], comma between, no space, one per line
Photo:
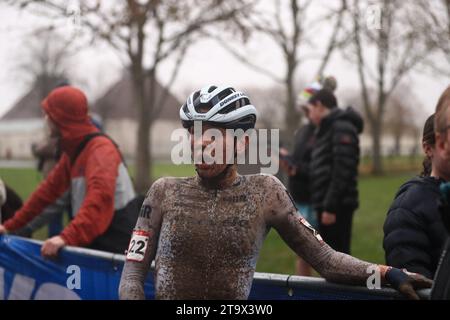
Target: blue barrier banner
[85,274]
[24,274]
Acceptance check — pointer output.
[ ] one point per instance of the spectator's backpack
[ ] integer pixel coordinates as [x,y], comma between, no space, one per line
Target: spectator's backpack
[117,236]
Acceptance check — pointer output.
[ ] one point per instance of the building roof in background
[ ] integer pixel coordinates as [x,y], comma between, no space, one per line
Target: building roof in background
[118,101]
[29,105]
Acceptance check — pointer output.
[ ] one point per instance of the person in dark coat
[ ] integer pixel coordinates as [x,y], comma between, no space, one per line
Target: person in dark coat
[414,233]
[296,165]
[297,168]
[334,167]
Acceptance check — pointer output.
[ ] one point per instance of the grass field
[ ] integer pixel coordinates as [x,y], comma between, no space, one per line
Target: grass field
[376,194]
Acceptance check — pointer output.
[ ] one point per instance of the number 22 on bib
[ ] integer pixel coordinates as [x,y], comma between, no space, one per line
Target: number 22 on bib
[138,245]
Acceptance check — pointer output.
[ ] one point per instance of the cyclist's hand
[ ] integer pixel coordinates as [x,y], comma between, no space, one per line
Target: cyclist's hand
[407,282]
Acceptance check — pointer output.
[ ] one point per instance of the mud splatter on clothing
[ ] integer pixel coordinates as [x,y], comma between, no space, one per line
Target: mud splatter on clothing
[206,241]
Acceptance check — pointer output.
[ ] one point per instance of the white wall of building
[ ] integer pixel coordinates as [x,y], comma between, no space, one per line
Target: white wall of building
[16,138]
[124,133]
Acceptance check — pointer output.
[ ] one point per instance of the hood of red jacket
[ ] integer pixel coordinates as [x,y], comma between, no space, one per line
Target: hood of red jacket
[67,107]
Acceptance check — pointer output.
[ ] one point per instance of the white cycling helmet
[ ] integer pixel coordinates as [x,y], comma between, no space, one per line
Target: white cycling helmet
[220,106]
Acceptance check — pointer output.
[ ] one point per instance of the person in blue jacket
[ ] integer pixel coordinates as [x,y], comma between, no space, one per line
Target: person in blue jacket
[414,233]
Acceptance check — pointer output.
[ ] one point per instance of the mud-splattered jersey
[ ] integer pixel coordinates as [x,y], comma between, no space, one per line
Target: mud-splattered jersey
[206,242]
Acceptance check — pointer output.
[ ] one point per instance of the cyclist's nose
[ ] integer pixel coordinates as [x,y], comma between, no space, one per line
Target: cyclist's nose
[202,141]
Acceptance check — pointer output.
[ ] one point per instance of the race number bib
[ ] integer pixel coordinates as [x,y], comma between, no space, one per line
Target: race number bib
[138,245]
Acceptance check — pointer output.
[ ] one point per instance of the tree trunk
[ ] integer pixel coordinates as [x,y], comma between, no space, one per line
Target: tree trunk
[397,147]
[292,117]
[376,147]
[143,157]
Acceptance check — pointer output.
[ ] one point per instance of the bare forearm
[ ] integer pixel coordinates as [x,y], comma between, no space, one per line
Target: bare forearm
[132,282]
[142,248]
[140,254]
[341,268]
[332,265]
[308,244]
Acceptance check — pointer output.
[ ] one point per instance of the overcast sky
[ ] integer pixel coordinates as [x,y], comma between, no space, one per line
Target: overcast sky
[96,69]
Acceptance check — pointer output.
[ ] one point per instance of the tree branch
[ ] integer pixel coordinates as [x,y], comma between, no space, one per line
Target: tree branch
[167,88]
[360,62]
[244,59]
[332,43]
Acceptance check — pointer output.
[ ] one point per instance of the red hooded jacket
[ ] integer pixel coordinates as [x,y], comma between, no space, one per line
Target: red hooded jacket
[97,180]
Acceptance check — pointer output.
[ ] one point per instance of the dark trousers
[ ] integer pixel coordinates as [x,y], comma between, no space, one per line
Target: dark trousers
[338,235]
[55,226]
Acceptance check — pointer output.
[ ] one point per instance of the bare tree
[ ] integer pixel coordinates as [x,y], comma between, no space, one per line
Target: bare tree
[435,23]
[44,60]
[269,101]
[402,114]
[146,33]
[398,48]
[288,27]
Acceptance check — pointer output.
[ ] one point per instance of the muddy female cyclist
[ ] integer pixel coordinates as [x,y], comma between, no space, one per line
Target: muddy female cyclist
[205,232]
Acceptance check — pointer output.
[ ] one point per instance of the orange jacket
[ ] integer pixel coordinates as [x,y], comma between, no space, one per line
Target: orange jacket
[97,180]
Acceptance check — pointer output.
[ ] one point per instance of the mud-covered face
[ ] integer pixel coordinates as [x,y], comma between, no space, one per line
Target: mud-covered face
[211,149]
